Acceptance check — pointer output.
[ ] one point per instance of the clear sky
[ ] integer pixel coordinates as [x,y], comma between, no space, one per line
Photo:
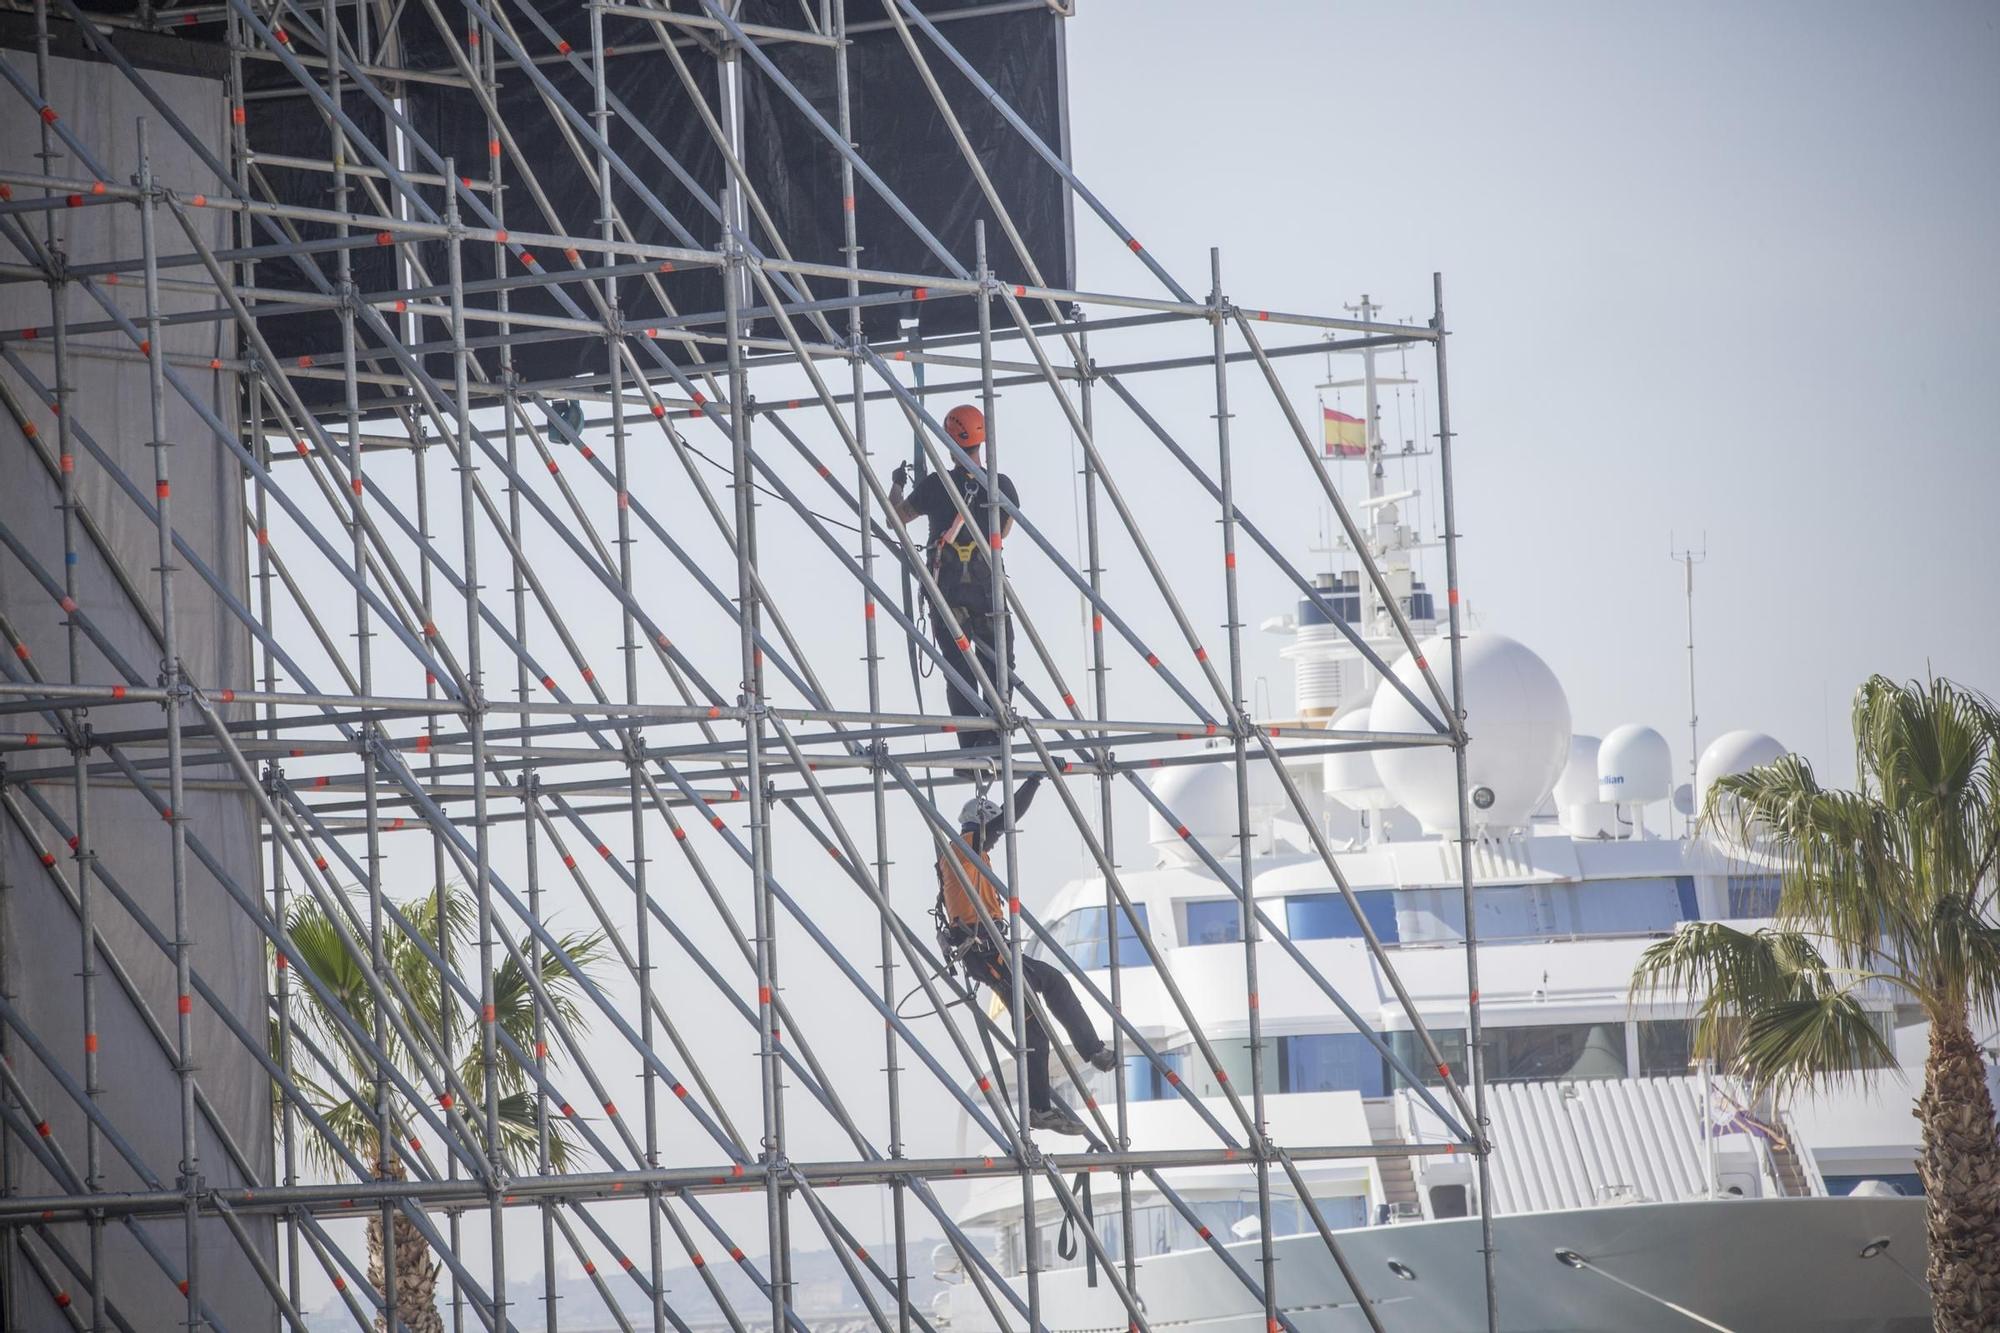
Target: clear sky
[1710,269]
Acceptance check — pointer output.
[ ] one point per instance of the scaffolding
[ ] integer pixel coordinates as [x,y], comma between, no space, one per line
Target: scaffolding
[654,791]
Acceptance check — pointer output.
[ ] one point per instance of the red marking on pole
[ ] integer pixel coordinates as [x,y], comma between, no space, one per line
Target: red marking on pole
[736,1253]
[284,38]
[716,820]
[574,258]
[356,484]
[493,150]
[589,1268]
[1134,243]
[1253,999]
[697,1260]
[1020,290]
[698,399]
[996,541]
[62,1297]
[604,851]
[847,203]
[1221,1076]
[237,115]
[229,696]
[610,1108]
[300,445]
[1422,664]
[1451,596]
[680,834]
[949,726]
[921,293]
[200,201]
[21,651]
[31,334]
[145,347]
[395,825]
[562,48]
[985,1085]
[1211,728]
[161,490]
[821,468]
[568,1110]
[319,863]
[1277,731]
[31,430]
[1152,659]
[49,114]
[187,1004]
[75,201]
[500,236]
[67,603]
[1181,829]
[97,187]
[416,1144]
[553,469]
[487,1013]
[1444,1071]
[541,1050]
[1013,907]
[48,858]
[339,1282]
[74,842]
[1069,700]
[283,962]
[549,683]
[215,363]
[680,1091]
[1472,997]
[569,862]
[167,815]
[68,463]
[305,363]
[424,744]
[1203,1232]
[444,1100]
[868,609]
[321,781]
[963,643]
[833,852]
[714,712]
[1201,654]
[527,259]
[763,995]
[666,268]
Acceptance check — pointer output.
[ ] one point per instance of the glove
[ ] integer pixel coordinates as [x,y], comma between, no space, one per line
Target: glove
[901,476]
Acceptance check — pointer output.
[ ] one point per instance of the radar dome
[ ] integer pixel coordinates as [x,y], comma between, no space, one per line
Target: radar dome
[1634,766]
[1203,797]
[1351,778]
[1730,753]
[1517,716]
[1575,796]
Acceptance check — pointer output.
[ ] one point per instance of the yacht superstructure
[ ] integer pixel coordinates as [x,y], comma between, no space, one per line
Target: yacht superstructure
[1632,1187]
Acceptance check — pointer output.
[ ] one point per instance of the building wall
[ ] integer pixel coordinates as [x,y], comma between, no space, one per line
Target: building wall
[41,954]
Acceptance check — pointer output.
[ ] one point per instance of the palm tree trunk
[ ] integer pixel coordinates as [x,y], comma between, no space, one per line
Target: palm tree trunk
[416,1270]
[1960,1166]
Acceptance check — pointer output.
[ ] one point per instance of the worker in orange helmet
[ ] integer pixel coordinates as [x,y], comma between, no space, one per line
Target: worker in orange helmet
[956,552]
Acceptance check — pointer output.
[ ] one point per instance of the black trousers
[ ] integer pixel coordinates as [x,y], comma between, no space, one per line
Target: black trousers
[982,963]
[980,631]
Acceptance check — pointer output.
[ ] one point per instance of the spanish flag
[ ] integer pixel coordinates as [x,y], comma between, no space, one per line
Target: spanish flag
[1345,436]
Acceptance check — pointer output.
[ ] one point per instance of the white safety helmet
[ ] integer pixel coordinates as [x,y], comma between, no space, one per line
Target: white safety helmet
[978,812]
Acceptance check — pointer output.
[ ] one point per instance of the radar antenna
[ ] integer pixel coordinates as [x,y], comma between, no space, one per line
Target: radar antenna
[1687,557]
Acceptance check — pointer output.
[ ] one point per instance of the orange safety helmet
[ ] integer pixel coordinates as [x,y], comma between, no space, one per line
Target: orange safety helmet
[966,424]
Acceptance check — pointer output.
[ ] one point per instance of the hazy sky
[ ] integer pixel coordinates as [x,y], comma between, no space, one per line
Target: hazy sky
[1709,269]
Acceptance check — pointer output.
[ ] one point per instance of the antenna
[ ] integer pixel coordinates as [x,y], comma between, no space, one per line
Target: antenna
[1687,557]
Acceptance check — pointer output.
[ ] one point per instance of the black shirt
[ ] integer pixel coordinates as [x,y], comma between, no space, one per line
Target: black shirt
[933,501]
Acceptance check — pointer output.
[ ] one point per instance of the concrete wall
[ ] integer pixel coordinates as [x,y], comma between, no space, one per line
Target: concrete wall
[40,957]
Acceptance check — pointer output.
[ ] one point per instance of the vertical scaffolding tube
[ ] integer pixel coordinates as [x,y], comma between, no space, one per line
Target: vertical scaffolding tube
[1474,1051]
[176,691]
[1239,744]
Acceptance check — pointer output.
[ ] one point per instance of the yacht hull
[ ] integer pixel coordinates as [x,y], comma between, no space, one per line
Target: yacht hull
[1742,1264]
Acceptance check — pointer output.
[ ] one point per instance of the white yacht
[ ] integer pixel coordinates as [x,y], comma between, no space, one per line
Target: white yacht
[1631,1188]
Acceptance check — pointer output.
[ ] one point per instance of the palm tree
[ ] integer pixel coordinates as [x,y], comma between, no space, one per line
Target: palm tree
[1890,885]
[430,1010]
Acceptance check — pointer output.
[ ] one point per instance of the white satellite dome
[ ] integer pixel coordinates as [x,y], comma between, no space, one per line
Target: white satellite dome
[1635,766]
[1203,797]
[1730,753]
[1575,796]
[1517,716]
[1352,778]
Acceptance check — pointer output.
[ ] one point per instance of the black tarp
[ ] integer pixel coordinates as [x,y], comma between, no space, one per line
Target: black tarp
[794,167]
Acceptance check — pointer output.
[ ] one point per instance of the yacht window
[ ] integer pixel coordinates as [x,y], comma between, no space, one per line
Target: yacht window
[1753,896]
[1330,1062]
[1556,1051]
[1408,1049]
[1144,1081]
[1326,916]
[1082,936]
[1549,911]
[1449,1201]
[1235,1058]
[1666,1047]
[1624,906]
[1213,921]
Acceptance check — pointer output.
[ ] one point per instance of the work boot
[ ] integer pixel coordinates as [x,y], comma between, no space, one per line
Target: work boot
[1103,1059]
[1056,1120]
